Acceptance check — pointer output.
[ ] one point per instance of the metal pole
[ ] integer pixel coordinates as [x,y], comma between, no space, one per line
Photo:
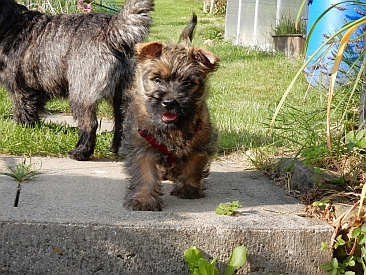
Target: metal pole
[255,22]
[278,11]
[238,24]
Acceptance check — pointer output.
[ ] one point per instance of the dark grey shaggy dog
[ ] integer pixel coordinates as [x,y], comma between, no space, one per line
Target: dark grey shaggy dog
[83,57]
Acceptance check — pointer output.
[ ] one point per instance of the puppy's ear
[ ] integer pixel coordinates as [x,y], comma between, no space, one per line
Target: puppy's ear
[206,58]
[149,50]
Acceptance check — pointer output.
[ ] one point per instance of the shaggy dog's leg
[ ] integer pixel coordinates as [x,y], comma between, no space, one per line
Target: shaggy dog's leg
[118,103]
[26,106]
[88,124]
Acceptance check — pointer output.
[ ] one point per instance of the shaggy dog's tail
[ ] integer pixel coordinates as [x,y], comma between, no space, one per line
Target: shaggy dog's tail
[132,24]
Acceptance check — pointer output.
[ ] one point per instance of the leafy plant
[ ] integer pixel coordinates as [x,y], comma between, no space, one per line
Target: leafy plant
[200,266]
[228,208]
[287,25]
[324,246]
[336,268]
[360,234]
[355,139]
[339,242]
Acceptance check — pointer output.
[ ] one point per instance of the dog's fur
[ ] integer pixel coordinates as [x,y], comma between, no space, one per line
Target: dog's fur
[167,127]
[83,57]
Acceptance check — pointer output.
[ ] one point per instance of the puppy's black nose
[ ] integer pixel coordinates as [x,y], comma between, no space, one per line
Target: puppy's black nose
[168,103]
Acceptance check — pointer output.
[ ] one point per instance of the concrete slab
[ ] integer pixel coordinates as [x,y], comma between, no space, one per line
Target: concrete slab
[70,220]
[105,125]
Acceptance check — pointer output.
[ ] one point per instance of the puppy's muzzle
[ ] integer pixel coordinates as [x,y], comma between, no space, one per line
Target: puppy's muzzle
[169,103]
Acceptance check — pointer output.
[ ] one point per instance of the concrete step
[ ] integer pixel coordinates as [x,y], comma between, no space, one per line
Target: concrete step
[70,220]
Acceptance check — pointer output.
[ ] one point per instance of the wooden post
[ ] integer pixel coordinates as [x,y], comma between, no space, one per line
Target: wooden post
[212,6]
[205,5]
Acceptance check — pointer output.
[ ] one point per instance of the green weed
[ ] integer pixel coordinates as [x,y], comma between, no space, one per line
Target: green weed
[228,209]
[200,266]
[22,172]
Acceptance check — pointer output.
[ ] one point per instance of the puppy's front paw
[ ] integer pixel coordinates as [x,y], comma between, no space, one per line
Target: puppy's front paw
[147,204]
[188,192]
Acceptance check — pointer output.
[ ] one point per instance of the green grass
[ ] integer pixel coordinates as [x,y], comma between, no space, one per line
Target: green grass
[244,91]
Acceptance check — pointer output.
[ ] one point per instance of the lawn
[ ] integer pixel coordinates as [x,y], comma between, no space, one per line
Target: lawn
[244,92]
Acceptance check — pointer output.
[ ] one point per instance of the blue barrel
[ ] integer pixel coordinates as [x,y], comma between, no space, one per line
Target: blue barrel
[320,67]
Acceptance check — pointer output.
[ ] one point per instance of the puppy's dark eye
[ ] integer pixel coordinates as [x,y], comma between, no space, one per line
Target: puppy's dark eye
[188,83]
[191,81]
[157,80]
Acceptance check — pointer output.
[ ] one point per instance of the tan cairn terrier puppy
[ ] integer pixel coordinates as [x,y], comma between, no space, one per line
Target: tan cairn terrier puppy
[168,133]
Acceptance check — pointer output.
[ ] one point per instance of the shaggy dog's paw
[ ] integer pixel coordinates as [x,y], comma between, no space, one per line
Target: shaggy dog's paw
[78,155]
